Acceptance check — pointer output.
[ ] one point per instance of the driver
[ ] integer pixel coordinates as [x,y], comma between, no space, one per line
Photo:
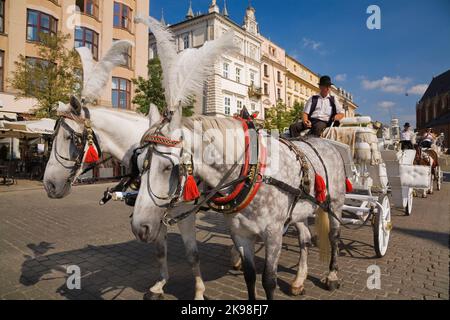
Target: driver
[320,111]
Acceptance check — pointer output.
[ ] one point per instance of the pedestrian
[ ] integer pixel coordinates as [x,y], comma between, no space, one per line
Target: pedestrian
[320,111]
[406,137]
[428,139]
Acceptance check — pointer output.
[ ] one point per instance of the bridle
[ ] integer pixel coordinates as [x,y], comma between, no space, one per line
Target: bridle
[151,139]
[79,140]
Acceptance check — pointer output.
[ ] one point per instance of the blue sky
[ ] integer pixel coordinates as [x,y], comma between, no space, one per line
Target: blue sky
[331,37]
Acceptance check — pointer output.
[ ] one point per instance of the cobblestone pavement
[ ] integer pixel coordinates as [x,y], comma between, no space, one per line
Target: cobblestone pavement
[40,237]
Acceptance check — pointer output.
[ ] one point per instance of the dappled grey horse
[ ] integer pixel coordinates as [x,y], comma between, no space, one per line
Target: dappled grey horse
[200,139]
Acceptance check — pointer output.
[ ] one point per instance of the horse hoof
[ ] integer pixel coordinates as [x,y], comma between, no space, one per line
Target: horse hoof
[237,267]
[298,291]
[333,285]
[153,296]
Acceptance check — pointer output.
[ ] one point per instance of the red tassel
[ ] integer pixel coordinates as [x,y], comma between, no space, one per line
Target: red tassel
[320,188]
[190,189]
[348,186]
[91,155]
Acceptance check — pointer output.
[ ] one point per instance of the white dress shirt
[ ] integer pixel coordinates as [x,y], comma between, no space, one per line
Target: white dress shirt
[323,109]
[406,135]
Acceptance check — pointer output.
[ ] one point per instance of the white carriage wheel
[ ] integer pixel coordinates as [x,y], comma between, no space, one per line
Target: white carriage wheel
[409,202]
[439,177]
[382,226]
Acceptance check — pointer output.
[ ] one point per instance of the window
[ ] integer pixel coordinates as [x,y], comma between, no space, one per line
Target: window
[121,89]
[238,75]
[34,64]
[253,106]
[252,78]
[85,37]
[2,16]
[225,70]
[266,70]
[186,41]
[279,94]
[227,103]
[2,62]
[279,76]
[239,106]
[127,56]
[122,16]
[39,22]
[266,89]
[89,7]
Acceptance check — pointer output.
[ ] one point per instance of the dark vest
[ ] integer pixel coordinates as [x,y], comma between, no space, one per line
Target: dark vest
[315,99]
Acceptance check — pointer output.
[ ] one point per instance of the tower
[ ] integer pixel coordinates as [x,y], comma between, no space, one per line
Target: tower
[250,23]
[225,9]
[190,13]
[214,7]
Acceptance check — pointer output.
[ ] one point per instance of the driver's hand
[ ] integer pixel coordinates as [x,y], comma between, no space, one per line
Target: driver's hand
[308,123]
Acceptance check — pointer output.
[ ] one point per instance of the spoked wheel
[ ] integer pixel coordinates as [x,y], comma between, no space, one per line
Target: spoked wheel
[382,226]
[438,177]
[409,202]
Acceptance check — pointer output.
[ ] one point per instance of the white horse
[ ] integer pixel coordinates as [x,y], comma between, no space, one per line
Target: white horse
[269,212]
[119,134]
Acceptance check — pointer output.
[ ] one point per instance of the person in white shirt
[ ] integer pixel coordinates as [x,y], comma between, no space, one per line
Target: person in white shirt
[320,111]
[406,136]
[428,139]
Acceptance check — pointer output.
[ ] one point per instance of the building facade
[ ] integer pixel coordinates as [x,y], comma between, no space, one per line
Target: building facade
[302,83]
[236,80]
[92,23]
[273,74]
[433,109]
[346,100]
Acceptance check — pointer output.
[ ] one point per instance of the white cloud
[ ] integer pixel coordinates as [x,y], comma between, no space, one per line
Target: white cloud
[418,89]
[341,77]
[308,43]
[387,84]
[386,104]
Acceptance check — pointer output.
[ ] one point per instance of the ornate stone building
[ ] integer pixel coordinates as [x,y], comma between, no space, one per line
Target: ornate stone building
[236,82]
[433,109]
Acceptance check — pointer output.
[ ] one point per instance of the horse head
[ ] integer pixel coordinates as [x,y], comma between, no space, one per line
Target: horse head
[161,177]
[67,149]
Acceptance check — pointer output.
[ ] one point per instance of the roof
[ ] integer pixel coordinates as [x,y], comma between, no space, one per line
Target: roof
[438,86]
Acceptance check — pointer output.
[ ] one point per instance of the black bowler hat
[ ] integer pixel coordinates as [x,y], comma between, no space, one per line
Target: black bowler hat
[407,125]
[325,81]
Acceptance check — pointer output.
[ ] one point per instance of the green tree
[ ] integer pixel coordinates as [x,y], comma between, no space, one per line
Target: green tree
[151,91]
[53,76]
[281,117]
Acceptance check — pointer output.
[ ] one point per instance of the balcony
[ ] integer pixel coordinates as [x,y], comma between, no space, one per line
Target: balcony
[254,91]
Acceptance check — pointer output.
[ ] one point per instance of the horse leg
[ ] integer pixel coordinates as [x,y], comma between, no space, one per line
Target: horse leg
[332,280]
[156,292]
[273,241]
[187,230]
[236,261]
[304,239]
[246,248]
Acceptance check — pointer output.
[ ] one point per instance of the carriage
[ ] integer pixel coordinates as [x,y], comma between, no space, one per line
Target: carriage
[375,173]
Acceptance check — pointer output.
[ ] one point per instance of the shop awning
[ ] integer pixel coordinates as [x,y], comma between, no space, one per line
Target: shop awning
[26,129]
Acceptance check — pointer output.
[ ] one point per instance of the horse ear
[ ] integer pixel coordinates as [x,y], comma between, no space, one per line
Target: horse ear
[153,115]
[76,105]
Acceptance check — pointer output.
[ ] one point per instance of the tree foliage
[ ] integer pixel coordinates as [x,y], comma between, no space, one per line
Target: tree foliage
[53,77]
[151,91]
[281,117]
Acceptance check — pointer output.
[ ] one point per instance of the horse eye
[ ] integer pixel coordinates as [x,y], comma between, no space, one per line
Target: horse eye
[168,168]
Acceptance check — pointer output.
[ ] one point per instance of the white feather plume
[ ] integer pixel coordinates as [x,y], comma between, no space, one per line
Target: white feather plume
[98,75]
[165,44]
[193,67]
[87,62]
[185,73]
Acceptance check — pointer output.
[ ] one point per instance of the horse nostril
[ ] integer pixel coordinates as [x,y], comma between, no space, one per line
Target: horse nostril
[50,186]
